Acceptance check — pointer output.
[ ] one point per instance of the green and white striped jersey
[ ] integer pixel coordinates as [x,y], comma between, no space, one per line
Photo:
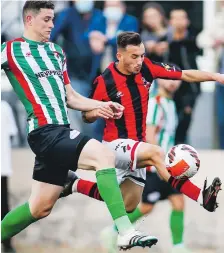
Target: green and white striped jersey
[38,74]
[162,114]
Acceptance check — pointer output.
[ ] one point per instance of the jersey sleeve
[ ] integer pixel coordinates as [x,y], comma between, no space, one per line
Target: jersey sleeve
[65,72]
[163,70]
[99,90]
[4,60]
[154,114]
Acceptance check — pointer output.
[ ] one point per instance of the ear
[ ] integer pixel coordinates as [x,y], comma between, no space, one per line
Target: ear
[29,19]
[118,55]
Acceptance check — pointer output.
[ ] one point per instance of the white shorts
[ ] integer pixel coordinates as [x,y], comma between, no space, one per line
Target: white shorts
[126,160]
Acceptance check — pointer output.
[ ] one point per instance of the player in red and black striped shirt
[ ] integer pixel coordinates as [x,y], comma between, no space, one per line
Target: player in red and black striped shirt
[127,82]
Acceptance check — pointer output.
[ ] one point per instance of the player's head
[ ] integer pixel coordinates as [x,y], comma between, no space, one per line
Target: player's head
[38,18]
[130,52]
[153,17]
[170,86]
[179,19]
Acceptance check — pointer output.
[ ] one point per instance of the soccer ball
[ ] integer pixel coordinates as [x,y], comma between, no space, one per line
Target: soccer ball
[182,161]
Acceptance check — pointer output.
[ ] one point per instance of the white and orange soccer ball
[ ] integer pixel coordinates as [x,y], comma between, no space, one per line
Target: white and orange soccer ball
[182,161]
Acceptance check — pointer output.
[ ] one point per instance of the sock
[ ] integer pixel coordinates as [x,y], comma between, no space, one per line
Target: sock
[186,187]
[177,226]
[16,220]
[88,188]
[111,194]
[135,215]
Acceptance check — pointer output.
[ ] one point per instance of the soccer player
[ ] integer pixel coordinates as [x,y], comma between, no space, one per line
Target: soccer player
[127,81]
[37,71]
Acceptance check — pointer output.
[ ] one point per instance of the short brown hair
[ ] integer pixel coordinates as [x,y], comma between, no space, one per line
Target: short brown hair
[35,6]
[128,38]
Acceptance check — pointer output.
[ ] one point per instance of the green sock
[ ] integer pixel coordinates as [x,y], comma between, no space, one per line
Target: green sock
[111,194]
[135,215]
[177,226]
[15,221]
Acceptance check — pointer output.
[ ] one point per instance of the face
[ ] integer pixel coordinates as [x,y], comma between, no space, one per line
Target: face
[152,18]
[41,23]
[169,85]
[179,19]
[131,58]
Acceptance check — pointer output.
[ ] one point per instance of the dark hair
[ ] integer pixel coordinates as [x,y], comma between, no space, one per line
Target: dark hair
[157,7]
[36,6]
[128,38]
[178,9]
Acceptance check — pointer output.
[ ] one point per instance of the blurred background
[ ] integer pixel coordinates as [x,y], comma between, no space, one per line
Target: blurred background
[194,39]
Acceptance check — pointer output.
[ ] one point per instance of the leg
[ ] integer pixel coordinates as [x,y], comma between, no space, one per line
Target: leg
[152,155]
[110,192]
[5,206]
[177,218]
[42,199]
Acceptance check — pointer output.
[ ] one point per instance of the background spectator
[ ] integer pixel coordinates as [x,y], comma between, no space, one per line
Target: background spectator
[8,130]
[183,52]
[213,38]
[154,33]
[117,20]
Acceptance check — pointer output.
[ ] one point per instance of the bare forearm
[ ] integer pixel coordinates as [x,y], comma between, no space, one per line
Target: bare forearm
[192,76]
[78,102]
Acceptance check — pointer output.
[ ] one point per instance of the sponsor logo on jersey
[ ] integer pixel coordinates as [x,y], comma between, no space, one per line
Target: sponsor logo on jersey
[48,73]
[146,83]
[119,94]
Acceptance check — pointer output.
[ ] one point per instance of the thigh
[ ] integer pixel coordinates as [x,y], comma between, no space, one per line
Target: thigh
[131,193]
[96,156]
[125,151]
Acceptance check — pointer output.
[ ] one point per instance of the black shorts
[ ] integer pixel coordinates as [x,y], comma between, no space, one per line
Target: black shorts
[156,189]
[57,149]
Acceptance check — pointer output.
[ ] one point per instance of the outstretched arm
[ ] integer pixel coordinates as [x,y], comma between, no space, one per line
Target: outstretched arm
[192,75]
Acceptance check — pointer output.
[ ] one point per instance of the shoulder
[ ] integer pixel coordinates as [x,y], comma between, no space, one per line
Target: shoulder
[131,18]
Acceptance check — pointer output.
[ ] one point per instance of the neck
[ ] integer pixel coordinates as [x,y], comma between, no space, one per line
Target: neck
[32,36]
[164,93]
[121,68]
[159,29]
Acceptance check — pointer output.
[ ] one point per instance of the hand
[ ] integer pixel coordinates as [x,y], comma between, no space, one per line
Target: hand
[219,78]
[188,110]
[97,46]
[103,111]
[97,41]
[116,108]
[98,35]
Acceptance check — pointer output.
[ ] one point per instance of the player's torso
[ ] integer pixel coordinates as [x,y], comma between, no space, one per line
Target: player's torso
[36,74]
[168,122]
[133,93]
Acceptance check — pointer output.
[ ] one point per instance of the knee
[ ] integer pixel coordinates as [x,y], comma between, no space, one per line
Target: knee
[41,209]
[158,154]
[146,208]
[131,206]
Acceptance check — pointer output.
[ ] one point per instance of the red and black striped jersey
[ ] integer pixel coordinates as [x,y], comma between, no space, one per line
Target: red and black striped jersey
[132,91]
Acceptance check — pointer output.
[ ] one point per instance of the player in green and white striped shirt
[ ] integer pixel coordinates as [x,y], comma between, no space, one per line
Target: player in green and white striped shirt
[37,71]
